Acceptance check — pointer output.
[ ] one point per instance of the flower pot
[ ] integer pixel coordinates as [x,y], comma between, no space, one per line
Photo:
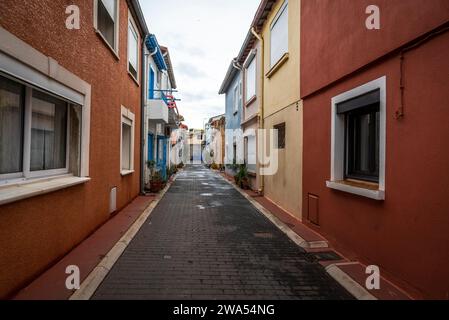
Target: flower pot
[156,186]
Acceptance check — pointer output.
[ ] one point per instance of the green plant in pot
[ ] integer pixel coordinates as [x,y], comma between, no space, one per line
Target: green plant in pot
[157,182]
[242,178]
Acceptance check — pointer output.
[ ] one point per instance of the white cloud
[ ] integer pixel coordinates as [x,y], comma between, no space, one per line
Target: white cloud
[202,36]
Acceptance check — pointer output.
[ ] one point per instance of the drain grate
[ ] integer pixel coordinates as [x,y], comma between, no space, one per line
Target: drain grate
[326,256]
[264,235]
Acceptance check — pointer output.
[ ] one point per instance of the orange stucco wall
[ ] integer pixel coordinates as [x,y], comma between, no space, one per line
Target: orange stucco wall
[34,233]
[407,235]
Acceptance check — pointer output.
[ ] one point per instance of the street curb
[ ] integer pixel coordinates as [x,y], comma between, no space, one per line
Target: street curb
[96,277]
[279,224]
[354,288]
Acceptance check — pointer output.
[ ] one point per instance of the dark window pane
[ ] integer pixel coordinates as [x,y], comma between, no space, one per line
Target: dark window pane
[133,71]
[362,143]
[281,135]
[11,126]
[48,133]
[106,24]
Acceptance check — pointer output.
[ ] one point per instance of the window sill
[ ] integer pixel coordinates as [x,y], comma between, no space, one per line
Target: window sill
[359,189]
[27,189]
[278,65]
[126,172]
[114,52]
[251,101]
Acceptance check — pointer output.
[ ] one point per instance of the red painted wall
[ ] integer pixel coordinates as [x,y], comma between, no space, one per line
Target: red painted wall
[407,235]
[36,232]
[335,41]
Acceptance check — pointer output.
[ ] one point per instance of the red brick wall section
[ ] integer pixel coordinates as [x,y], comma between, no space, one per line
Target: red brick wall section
[407,235]
[36,232]
[335,41]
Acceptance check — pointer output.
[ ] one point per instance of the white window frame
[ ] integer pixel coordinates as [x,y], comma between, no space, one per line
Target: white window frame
[251,134]
[128,118]
[250,61]
[273,23]
[132,25]
[338,141]
[237,96]
[115,48]
[22,62]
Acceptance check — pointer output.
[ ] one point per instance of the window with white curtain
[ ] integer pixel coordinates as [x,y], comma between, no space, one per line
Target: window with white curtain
[126,145]
[236,97]
[279,35]
[127,142]
[107,20]
[251,80]
[39,133]
[251,153]
[133,48]
[12,110]
[48,133]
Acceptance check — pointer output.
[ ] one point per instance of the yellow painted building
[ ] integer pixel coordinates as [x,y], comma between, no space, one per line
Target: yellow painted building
[282,107]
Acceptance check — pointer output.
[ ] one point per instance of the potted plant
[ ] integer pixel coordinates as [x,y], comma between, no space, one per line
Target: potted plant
[157,182]
[241,178]
[151,165]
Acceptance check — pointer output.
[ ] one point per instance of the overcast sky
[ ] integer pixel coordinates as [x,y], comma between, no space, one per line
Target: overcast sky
[202,36]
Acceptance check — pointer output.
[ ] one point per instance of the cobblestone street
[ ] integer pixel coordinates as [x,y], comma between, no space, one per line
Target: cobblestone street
[206,241]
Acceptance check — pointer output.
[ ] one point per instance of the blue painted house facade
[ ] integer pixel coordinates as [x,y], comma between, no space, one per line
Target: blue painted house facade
[232,88]
[161,117]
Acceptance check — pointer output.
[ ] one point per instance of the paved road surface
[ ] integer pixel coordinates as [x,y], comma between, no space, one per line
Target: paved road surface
[205,241]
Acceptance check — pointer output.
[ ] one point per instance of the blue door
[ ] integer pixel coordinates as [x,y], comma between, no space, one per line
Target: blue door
[151,85]
[162,156]
[150,147]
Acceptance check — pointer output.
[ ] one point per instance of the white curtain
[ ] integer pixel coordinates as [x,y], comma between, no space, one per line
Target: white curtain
[11,126]
[251,80]
[133,54]
[48,133]
[126,146]
[251,157]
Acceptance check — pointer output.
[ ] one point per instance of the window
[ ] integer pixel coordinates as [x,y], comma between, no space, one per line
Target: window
[237,95]
[36,114]
[251,153]
[133,49]
[42,145]
[251,80]
[127,142]
[280,128]
[362,141]
[126,146]
[106,21]
[48,133]
[358,140]
[12,99]
[279,35]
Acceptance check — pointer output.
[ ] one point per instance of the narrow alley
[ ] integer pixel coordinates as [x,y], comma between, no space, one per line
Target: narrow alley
[206,241]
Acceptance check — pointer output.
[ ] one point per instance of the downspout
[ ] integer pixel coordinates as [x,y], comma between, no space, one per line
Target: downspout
[143,119]
[236,65]
[261,115]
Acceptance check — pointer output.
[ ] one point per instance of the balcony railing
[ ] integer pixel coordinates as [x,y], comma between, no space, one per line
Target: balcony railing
[167,97]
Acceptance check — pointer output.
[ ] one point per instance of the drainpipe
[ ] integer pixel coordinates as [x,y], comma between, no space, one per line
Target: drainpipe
[236,65]
[261,114]
[143,119]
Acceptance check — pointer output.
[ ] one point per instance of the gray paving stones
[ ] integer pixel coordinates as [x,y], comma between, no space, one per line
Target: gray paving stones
[213,247]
